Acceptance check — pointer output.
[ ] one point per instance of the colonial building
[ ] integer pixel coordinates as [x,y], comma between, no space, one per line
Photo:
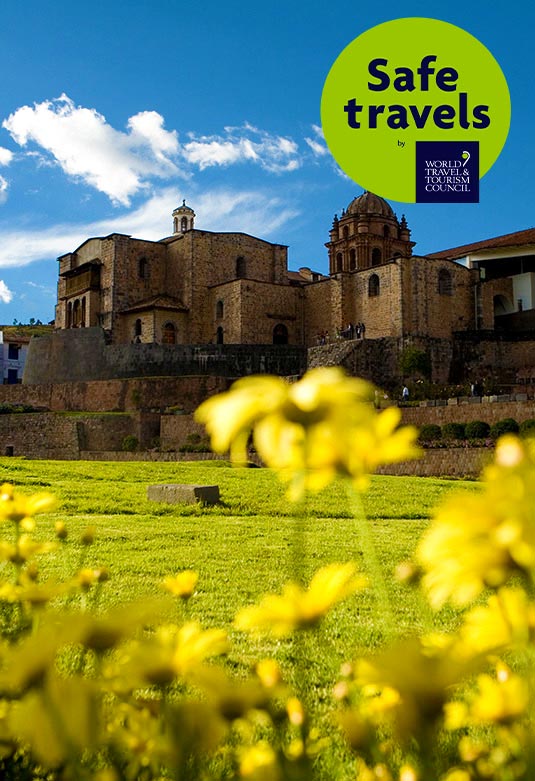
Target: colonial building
[202,288]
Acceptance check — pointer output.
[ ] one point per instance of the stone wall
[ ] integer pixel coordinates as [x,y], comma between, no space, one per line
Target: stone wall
[62,436]
[175,429]
[154,393]
[442,462]
[82,354]
[474,409]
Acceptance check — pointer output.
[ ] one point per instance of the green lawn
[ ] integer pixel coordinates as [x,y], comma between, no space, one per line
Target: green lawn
[241,549]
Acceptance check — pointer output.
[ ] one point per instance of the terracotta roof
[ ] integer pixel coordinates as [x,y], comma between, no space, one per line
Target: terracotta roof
[517,239]
[156,302]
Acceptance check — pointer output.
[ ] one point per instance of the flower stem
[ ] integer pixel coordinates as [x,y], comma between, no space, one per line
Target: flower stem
[372,564]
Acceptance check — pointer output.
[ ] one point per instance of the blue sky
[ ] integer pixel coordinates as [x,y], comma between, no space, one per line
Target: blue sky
[112,112]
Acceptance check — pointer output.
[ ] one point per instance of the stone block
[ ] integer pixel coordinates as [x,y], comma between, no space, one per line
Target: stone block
[521,397]
[474,400]
[174,493]
[441,403]
[453,402]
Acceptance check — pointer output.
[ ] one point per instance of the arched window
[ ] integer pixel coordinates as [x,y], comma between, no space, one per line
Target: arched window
[143,268]
[386,231]
[220,335]
[240,267]
[374,286]
[219,309]
[138,327]
[76,314]
[339,261]
[184,224]
[352,260]
[169,334]
[345,231]
[280,334]
[82,318]
[175,225]
[69,314]
[376,256]
[444,282]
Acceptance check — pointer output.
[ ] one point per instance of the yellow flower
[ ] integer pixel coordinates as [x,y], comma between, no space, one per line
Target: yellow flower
[229,417]
[409,683]
[269,673]
[60,529]
[175,652]
[259,763]
[181,585]
[309,431]
[507,619]
[194,645]
[298,608]
[500,699]
[21,509]
[481,539]
[25,548]
[295,711]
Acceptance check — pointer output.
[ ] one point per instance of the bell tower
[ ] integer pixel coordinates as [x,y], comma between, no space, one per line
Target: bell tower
[183,218]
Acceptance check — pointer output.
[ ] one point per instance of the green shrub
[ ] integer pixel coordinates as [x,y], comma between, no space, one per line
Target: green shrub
[453,430]
[505,426]
[476,429]
[130,443]
[527,428]
[430,432]
[414,362]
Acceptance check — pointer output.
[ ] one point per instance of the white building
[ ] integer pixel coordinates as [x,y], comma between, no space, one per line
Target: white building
[13,350]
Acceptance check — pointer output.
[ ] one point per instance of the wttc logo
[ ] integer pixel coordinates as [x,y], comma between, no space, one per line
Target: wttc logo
[447,172]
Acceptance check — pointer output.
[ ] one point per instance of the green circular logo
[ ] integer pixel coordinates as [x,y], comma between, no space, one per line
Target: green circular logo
[407,81]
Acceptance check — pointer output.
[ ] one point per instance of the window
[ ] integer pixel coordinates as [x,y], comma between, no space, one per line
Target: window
[352,260]
[69,315]
[376,256]
[444,282]
[169,334]
[143,268]
[12,376]
[138,327]
[82,320]
[13,352]
[386,231]
[184,224]
[240,267]
[280,334]
[76,314]
[219,336]
[219,309]
[339,261]
[345,231]
[374,286]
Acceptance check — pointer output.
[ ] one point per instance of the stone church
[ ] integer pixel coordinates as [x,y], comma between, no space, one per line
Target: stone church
[471,307]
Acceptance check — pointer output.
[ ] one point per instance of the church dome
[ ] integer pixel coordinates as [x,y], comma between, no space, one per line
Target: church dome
[369,203]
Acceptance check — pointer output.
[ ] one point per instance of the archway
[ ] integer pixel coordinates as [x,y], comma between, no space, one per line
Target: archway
[169,333]
[280,334]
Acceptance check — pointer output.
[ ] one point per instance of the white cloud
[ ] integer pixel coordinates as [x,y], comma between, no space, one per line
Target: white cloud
[220,210]
[6,156]
[243,144]
[84,145]
[3,189]
[5,293]
[317,144]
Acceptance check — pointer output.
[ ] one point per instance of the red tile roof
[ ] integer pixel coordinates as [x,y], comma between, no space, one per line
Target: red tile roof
[517,239]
